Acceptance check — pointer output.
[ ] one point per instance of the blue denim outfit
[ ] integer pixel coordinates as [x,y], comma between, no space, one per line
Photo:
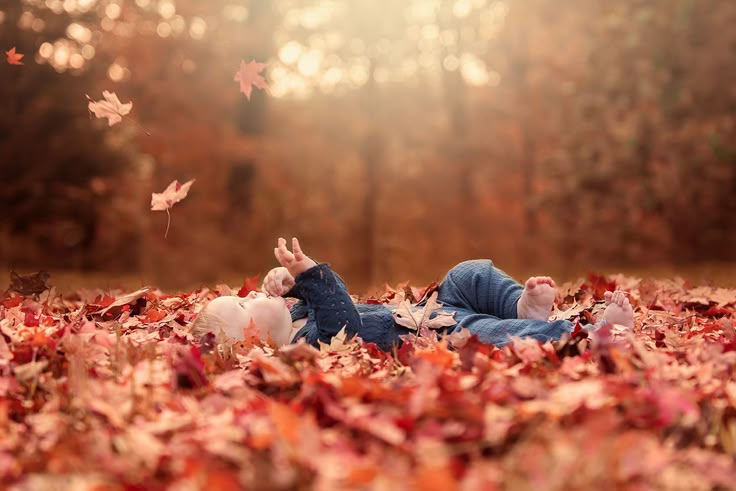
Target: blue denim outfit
[482,296]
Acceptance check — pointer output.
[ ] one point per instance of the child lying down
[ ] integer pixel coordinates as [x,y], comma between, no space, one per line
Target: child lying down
[484,299]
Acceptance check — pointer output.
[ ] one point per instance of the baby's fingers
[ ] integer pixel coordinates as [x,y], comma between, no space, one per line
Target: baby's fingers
[298,254]
[283,256]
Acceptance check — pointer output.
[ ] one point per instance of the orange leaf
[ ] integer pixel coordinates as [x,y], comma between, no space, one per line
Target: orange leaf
[439,355]
[13,57]
[286,422]
[434,479]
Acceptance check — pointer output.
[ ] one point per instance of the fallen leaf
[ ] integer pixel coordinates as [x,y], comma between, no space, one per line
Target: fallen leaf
[248,76]
[249,285]
[412,319]
[125,300]
[13,57]
[110,108]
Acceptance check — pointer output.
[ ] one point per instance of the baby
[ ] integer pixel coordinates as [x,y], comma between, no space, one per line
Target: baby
[481,298]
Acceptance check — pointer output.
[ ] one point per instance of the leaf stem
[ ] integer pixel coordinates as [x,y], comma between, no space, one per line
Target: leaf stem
[138,124]
[168,222]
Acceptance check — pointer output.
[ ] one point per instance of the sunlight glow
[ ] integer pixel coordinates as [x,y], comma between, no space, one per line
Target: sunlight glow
[88,51]
[166,9]
[163,29]
[473,70]
[26,20]
[290,52]
[79,33]
[113,11]
[237,13]
[69,5]
[309,63]
[85,5]
[38,24]
[46,50]
[76,61]
[321,46]
[197,28]
[116,72]
[462,8]
[61,56]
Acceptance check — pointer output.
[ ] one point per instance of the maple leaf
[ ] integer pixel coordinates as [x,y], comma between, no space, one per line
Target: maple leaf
[338,343]
[13,57]
[173,193]
[249,285]
[415,319]
[110,108]
[248,76]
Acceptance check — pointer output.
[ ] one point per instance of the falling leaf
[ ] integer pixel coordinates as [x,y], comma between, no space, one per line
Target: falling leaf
[110,108]
[13,57]
[412,319]
[173,193]
[248,76]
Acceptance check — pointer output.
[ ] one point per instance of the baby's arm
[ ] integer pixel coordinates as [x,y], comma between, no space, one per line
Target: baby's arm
[323,292]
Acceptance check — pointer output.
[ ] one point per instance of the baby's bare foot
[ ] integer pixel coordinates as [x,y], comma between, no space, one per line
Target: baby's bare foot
[536,299]
[618,310]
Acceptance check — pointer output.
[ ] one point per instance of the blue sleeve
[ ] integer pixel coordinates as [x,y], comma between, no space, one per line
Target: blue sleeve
[327,302]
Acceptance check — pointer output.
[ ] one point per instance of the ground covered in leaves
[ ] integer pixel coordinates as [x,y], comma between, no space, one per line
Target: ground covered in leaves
[108,391]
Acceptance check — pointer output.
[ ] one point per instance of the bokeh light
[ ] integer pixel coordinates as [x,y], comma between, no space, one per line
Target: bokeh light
[320,46]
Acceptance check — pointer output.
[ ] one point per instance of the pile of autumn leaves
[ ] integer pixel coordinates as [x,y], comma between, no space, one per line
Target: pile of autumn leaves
[112,392]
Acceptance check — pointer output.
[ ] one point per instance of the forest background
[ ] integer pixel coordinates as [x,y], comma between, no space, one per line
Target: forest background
[395,139]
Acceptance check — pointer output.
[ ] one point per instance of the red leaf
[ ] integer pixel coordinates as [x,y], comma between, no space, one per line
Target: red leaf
[189,368]
[249,285]
[154,315]
[30,319]
[598,285]
[12,302]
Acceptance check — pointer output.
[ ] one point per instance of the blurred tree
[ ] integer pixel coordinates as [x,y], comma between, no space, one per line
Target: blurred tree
[649,155]
[58,170]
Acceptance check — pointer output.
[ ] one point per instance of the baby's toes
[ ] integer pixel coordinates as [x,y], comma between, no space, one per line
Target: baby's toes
[608,296]
[530,283]
[621,298]
[546,280]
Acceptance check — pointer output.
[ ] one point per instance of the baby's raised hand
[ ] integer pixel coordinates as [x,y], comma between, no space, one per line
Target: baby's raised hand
[278,281]
[295,262]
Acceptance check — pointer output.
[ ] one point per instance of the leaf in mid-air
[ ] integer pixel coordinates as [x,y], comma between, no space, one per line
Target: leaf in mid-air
[110,108]
[13,57]
[248,76]
[173,193]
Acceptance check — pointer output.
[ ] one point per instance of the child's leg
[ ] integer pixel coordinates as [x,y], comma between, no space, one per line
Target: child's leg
[490,329]
[479,286]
